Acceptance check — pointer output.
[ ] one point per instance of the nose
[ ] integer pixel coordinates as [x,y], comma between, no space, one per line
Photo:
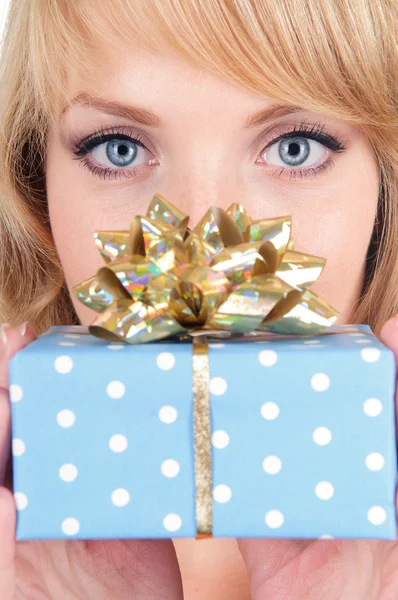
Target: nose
[195,202]
[196,184]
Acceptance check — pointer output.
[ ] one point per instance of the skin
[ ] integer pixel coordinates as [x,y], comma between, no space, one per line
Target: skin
[203,155]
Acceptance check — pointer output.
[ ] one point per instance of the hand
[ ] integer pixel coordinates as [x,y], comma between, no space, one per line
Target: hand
[278,569]
[73,569]
[325,569]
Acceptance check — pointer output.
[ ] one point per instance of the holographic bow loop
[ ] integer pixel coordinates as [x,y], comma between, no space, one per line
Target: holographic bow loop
[228,273]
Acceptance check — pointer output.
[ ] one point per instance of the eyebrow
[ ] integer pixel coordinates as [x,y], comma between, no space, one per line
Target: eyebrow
[148,118]
[135,113]
[271,112]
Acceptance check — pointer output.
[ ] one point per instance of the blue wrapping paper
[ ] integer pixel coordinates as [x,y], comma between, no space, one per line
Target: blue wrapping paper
[303,437]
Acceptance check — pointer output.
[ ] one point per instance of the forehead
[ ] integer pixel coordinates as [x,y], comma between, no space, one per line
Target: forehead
[162,83]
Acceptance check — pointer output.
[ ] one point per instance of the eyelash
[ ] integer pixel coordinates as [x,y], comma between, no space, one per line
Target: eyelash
[316,131]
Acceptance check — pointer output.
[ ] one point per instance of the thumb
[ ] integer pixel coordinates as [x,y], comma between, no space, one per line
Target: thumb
[12,340]
[389,335]
[7,545]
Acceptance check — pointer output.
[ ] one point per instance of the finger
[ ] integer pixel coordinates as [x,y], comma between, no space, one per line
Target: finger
[7,545]
[5,432]
[13,340]
[389,335]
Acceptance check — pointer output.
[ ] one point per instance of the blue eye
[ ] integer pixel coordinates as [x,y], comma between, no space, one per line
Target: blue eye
[294,151]
[115,154]
[120,152]
[302,151]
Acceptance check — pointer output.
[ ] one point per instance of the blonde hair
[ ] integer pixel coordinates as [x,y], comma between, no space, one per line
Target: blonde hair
[336,58]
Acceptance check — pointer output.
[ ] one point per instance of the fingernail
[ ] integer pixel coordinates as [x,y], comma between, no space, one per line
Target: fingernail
[22,328]
[3,334]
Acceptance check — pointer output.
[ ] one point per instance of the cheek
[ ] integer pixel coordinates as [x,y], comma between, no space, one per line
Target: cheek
[79,257]
[73,224]
[74,239]
[340,231]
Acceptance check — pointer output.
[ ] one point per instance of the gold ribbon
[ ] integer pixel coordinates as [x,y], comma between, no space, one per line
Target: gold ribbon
[202,437]
[229,273]
[228,276]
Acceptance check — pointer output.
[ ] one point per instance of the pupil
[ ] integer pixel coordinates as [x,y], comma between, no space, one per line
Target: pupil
[294,148]
[123,150]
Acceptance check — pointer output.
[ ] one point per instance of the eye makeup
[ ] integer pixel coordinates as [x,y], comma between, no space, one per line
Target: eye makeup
[82,149]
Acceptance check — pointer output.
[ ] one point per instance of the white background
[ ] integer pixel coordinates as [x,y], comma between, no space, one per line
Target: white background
[3,11]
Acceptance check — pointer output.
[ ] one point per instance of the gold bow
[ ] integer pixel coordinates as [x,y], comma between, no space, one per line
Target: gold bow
[229,274]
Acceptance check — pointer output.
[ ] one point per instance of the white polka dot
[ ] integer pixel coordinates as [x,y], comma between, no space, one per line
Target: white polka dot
[218,386]
[274,519]
[372,407]
[374,461]
[168,414]
[172,522]
[118,443]
[115,346]
[356,334]
[220,439]
[18,447]
[370,354]
[363,341]
[165,360]
[222,493]
[377,515]
[73,336]
[324,490]
[326,536]
[270,410]
[272,464]
[66,344]
[115,389]
[170,468]
[63,364]
[120,497]
[267,357]
[322,436]
[70,526]
[320,382]
[16,392]
[66,418]
[68,472]
[216,345]
[312,342]
[21,500]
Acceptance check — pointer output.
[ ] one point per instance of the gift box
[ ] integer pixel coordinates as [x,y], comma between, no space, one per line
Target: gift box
[303,441]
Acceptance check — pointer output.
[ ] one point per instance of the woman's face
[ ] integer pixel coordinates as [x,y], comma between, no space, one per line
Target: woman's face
[196,149]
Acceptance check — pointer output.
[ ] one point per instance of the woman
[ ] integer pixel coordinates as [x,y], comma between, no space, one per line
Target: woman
[286,108]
